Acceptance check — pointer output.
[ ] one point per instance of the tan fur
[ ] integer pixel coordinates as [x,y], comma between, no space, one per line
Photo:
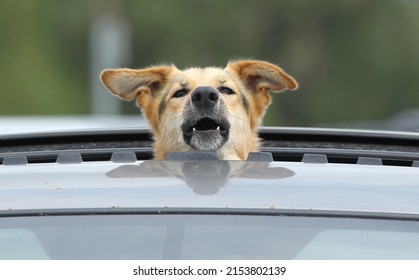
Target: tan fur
[154,87]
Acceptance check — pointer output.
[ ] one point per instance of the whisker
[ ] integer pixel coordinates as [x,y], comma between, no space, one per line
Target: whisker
[236,117]
[174,119]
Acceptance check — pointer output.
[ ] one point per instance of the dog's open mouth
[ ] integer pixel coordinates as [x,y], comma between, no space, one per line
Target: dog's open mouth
[206,134]
[207,125]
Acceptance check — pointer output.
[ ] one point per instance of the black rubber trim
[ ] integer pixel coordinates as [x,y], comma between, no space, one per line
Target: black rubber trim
[209,211]
[285,144]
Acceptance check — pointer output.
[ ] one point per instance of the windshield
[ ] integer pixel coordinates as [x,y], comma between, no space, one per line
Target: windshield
[206,237]
[355,61]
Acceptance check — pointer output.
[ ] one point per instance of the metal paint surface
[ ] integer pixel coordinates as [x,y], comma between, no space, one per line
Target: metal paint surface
[210,184]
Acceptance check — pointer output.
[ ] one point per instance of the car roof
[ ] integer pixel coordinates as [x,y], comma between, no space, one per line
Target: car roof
[57,123]
[299,169]
[210,184]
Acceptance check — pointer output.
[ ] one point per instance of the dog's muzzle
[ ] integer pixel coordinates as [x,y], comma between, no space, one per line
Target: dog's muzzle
[205,127]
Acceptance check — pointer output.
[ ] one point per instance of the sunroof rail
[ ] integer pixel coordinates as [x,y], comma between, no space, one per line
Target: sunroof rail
[285,144]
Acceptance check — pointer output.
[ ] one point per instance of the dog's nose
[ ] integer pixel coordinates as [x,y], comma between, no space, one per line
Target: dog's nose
[205,97]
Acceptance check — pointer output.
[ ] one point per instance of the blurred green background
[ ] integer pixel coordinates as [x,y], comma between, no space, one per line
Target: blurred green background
[355,60]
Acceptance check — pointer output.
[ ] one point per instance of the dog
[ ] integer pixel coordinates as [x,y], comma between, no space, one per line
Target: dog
[202,109]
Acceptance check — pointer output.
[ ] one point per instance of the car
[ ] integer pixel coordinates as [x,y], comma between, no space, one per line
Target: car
[311,193]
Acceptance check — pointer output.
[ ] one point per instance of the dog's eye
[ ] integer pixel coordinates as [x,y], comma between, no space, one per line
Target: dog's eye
[225,90]
[180,93]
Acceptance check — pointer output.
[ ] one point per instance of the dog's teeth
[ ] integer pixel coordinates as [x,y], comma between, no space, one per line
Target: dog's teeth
[193,129]
[218,128]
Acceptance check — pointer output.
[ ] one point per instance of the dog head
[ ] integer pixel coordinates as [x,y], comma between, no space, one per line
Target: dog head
[205,109]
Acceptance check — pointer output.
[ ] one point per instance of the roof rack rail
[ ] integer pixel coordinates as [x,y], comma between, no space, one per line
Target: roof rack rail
[279,144]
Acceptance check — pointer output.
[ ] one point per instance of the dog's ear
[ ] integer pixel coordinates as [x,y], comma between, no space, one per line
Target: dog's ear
[142,83]
[260,77]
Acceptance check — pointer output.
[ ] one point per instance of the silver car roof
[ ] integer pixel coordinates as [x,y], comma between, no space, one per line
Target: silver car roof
[210,184]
